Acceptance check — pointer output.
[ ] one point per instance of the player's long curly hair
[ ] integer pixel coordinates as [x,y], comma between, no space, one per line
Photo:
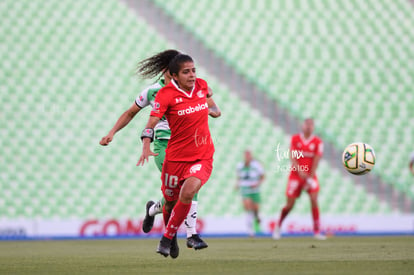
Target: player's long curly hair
[156,64]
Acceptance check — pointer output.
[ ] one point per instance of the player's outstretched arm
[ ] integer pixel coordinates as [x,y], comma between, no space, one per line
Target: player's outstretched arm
[122,121]
[147,137]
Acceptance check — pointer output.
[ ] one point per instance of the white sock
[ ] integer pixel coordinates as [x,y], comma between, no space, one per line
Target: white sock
[191,220]
[250,219]
[155,209]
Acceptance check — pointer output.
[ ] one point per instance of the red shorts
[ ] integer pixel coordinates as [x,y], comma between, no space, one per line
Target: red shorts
[296,184]
[174,173]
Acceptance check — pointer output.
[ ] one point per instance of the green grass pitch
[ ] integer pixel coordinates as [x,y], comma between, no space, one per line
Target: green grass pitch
[337,255]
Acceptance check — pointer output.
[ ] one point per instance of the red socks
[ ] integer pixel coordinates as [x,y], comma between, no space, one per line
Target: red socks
[283,215]
[315,217]
[178,214]
[166,215]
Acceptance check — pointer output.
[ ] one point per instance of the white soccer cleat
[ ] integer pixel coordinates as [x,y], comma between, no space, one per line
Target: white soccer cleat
[156,208]
[319,237]
[276,233]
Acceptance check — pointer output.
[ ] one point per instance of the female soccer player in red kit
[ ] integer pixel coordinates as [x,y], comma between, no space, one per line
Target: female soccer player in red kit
[189,155]
[306,151]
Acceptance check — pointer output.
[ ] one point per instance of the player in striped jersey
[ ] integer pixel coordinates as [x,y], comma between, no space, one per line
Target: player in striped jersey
[250,175]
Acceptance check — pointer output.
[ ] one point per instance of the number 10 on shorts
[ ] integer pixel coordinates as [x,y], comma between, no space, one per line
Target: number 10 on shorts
[170,181]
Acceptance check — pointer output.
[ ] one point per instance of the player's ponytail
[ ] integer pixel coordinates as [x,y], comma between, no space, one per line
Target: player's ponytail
[176,62]
[156,64]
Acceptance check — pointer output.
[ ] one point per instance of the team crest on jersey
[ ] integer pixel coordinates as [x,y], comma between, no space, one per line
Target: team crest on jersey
[156,107]
[200,94]
[195,168]
[312,146]
[169,193]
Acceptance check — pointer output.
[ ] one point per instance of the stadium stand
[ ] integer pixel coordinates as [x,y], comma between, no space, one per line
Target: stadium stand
[352,60]
[68,76]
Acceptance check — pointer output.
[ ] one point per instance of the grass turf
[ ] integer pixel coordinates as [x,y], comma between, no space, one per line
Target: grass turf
[344,255]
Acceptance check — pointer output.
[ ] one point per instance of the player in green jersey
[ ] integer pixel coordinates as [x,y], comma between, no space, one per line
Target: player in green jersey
[250,175]
[150,68]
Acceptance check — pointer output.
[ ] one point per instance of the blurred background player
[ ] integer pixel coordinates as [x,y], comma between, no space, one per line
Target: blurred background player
[150,68]
[189,155]
[306,150]
[411,165]
[250,175]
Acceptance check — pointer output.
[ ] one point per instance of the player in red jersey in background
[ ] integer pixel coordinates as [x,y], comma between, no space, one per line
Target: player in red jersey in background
[306,150]
[189,155]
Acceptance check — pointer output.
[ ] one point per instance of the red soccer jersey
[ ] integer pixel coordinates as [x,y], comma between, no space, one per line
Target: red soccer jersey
[187,115]
[304,151]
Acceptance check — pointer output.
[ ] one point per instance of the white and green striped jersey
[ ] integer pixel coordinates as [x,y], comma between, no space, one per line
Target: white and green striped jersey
[146,98]
[249,176]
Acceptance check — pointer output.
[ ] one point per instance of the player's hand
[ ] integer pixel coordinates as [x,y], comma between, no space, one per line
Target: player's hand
[106,140]
[214,112]
[146,153]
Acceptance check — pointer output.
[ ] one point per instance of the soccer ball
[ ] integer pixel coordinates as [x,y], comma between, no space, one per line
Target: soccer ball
[358,158]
